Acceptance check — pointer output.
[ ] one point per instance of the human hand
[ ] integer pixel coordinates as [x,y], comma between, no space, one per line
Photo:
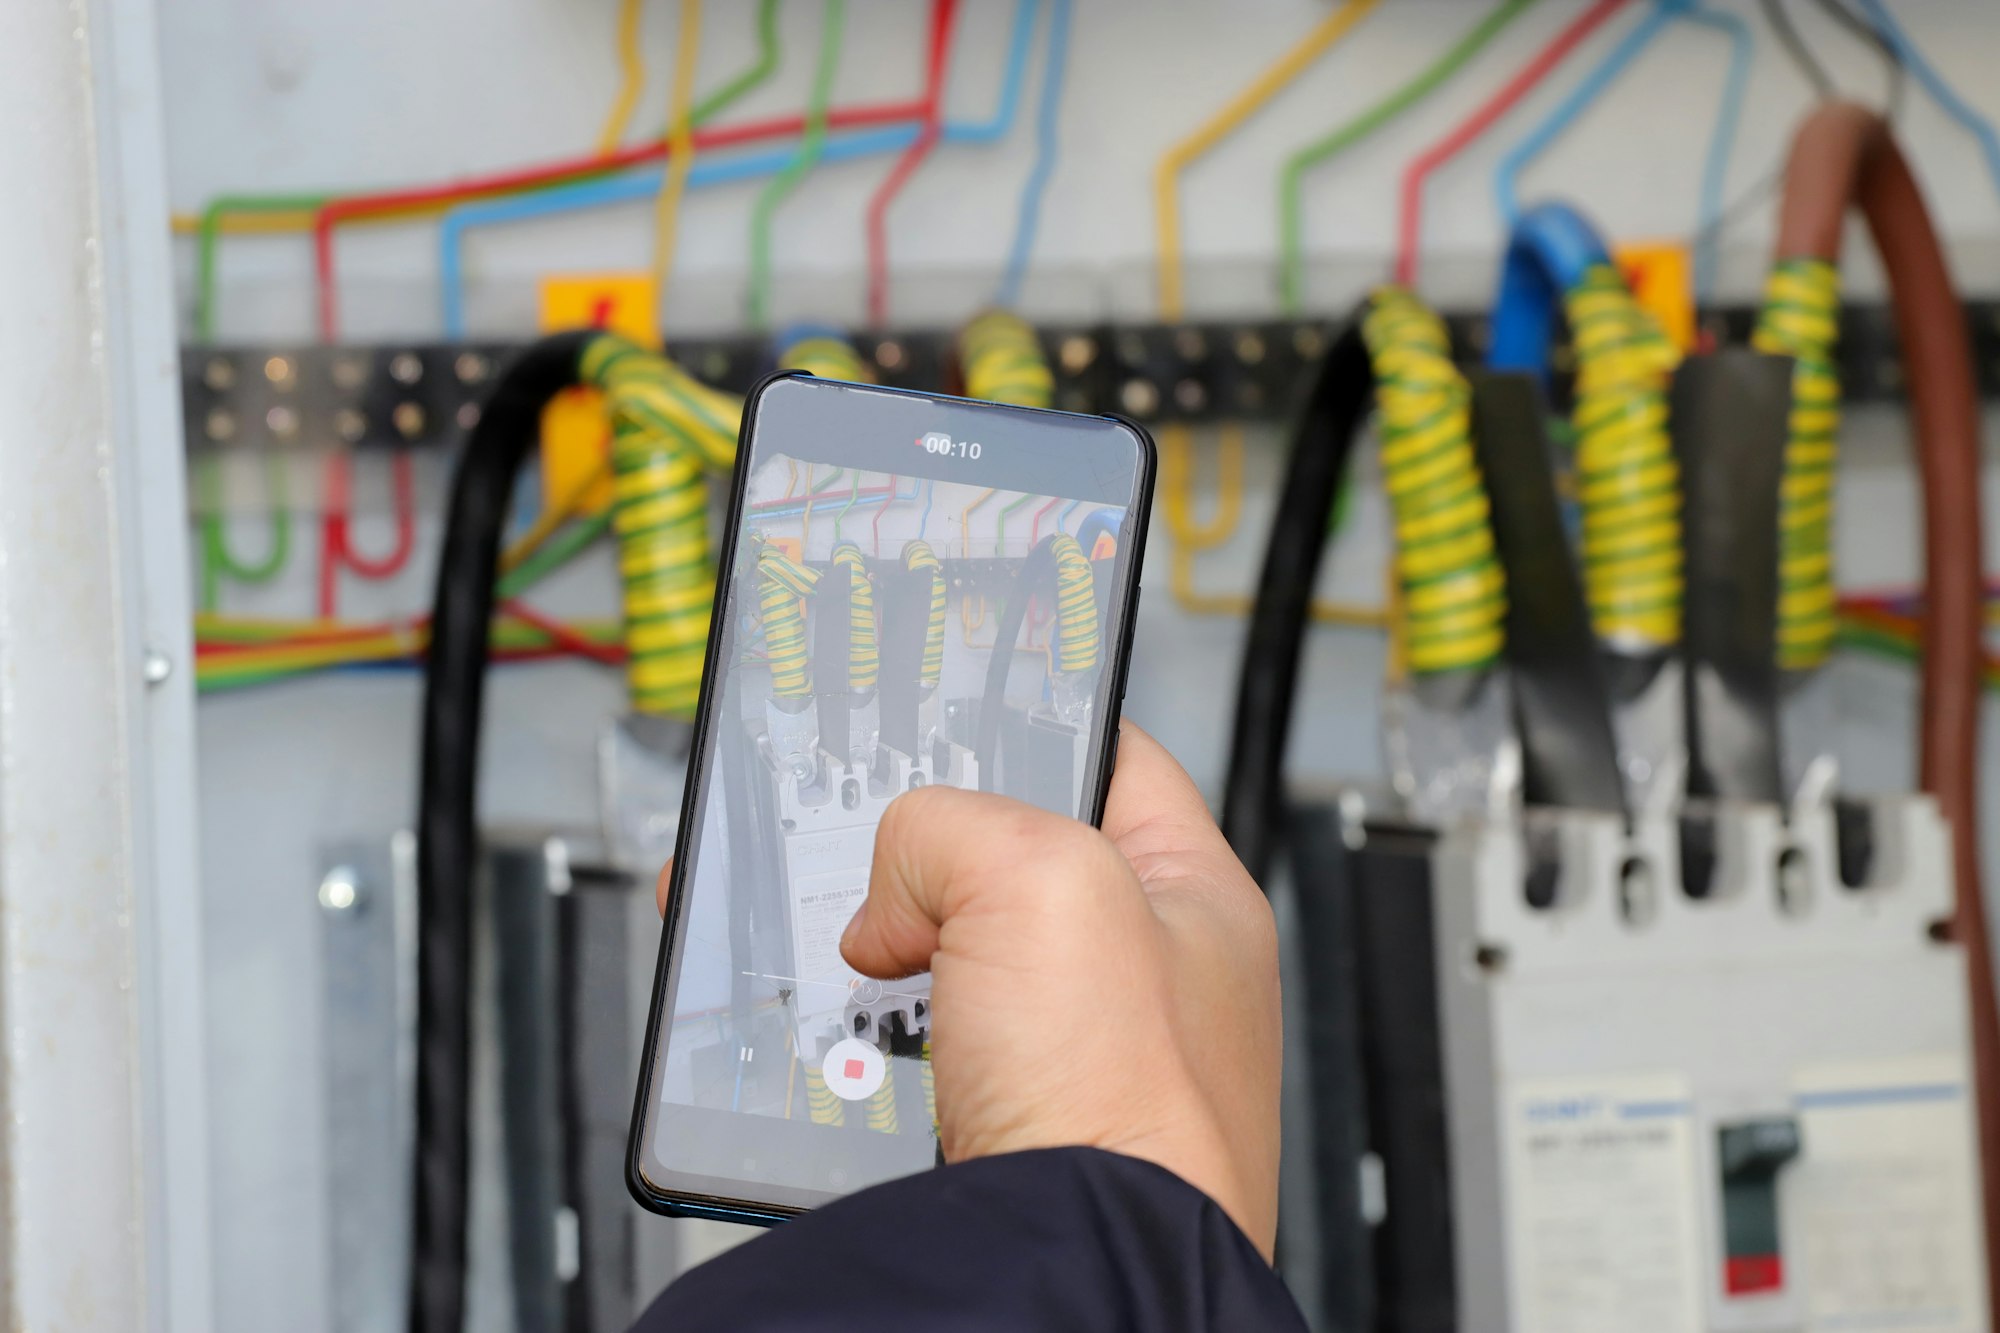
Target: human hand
[1113,989]
[1116,989]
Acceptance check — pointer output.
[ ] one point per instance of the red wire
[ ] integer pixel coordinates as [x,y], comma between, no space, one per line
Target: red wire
[336,548]
[562,635]
[348,208]
[1410,218]
[944,13]
[1035,533]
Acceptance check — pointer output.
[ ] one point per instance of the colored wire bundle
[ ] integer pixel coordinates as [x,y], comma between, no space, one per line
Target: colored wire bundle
[1454,595]
[1291,179]
[1002,361]
[1627,478]
[1800,318]
[665,429]
[1410,208]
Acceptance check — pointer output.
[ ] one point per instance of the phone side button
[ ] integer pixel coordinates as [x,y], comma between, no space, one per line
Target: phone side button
[1111,757]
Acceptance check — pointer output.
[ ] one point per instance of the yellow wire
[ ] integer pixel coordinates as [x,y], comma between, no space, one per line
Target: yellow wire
[681,157]
[1166,176]
[965,521]
[1176,444]
[631,76]
[554,516]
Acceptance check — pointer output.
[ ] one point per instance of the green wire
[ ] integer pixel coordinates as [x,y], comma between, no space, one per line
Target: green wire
[210,237]
[1290,179]
[810,147]
[216,557]
[564,547]
[210,234]
[767,65]
[1000,530]
[852,496]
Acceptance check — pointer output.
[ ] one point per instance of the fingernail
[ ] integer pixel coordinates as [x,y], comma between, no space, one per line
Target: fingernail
[853,931]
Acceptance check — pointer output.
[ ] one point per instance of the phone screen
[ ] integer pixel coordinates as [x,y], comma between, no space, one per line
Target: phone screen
[915,590]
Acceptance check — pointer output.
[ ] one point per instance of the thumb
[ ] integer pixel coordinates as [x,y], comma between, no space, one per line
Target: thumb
[941,852]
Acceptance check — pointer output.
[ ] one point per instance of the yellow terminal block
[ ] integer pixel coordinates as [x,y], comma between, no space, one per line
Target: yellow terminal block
[576,433]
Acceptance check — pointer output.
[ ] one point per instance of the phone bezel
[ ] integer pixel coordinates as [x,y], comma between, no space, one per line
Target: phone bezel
[732,1207]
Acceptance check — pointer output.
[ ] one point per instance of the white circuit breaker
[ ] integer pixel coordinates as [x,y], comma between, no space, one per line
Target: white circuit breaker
[1749,1111]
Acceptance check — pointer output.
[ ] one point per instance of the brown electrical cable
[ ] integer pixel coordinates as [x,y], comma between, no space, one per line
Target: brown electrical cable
[1845,155]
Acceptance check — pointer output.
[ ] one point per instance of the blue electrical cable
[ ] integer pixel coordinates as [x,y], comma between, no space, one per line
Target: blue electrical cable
[712,171]
[1047,121]
[1096,523]
[1941,92]
[1507,174]
[924,525]
[1063,517]
[1715,167]
[1548,252]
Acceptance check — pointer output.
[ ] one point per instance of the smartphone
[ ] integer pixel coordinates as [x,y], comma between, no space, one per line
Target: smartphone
[913,589]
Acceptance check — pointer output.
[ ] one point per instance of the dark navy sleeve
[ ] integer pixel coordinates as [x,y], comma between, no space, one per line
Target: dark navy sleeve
[1059,1240]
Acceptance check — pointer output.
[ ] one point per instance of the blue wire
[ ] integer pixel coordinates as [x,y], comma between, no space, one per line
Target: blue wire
[710,171]
[1715,168]
[924,525]
[1063,517]
[1941,92]
[1047,120]
[995,127]
[1594,83]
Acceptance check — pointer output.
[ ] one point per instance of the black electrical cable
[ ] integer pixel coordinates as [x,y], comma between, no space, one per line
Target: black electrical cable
[447,822]
[1795,46]
[1037,568]
[1323,437]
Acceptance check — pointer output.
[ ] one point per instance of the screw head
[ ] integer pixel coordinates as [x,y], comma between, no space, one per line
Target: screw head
[350,372]
[1077,352]
[406,368]
[156,667]
[281,373]
[219,373]
[340,890]
[1139,397]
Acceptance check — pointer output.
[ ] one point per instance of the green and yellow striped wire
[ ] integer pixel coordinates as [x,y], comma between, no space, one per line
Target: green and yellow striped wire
[864,657]
[783,584]
[1077,633]
[1453,591]
[1002,361]
[822,1103]
[828,357]
[1627,478]
[882,1109]
[666,429]
[919,555]
[1800,318]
